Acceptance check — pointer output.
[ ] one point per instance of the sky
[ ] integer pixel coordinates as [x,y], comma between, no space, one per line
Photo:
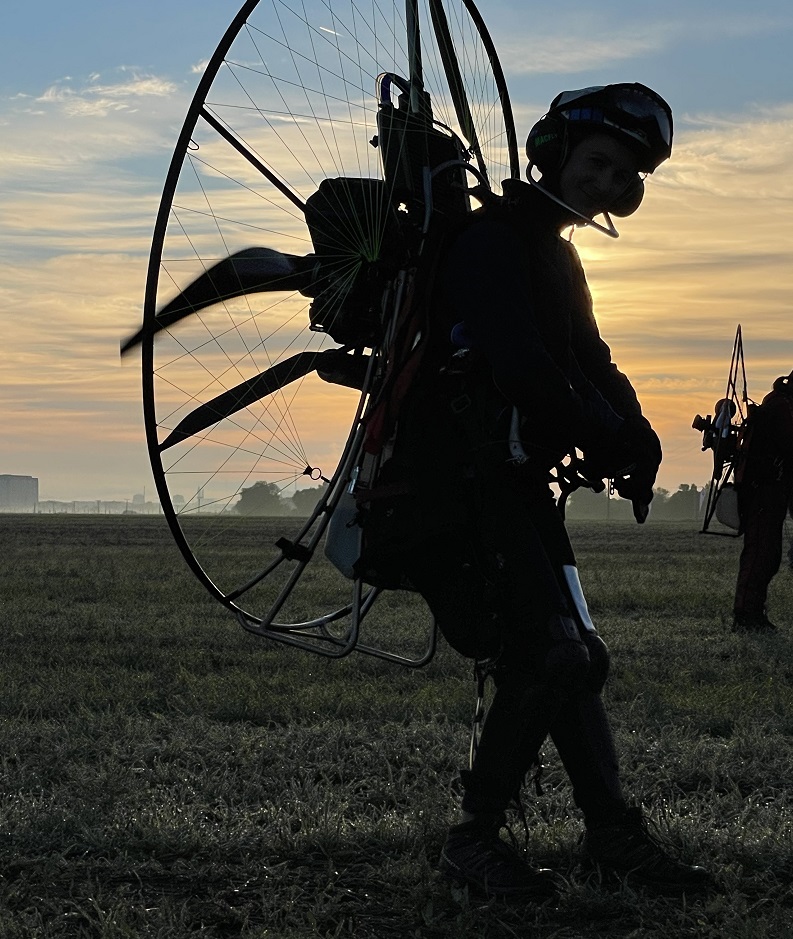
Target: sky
[92,96]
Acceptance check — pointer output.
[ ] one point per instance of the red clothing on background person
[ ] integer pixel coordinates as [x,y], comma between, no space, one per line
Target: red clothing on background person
[765,495]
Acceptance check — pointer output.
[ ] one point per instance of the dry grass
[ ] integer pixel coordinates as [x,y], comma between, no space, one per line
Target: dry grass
[166,775]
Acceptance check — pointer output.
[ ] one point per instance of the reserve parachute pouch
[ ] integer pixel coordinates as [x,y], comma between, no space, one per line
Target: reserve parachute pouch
[344,540]
[391,527]
[372,531]
[727,507]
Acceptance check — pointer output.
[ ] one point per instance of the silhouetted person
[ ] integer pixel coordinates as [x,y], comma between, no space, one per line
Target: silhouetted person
[522,377]
[790,549]
[764,480]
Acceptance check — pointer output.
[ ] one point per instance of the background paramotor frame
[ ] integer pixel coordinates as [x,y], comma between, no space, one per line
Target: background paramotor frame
[722,435]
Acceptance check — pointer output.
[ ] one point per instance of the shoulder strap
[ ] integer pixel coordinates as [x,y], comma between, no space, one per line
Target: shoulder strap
[414,332]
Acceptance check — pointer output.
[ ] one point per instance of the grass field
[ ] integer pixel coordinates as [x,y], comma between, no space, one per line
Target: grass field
[165,774]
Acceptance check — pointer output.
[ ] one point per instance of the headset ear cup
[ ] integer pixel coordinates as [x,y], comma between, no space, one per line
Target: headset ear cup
[546,144]
[630,200]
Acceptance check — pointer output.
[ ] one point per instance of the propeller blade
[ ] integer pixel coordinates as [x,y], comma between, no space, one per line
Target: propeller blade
[250,271]
[241,396]
[330,363]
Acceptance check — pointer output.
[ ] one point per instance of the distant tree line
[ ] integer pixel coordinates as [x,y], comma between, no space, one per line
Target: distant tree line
[687,503]
[266,499]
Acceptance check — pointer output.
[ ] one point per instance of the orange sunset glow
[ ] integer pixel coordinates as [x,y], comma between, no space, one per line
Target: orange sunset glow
[87,137]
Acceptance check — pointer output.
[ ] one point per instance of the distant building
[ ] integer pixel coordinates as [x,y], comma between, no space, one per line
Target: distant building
[18,493]
[99,507]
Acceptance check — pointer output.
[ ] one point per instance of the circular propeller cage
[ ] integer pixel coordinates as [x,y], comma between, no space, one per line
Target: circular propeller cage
[323,139]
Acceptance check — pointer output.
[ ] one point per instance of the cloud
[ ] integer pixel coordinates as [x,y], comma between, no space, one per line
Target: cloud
[68,131]
[97,100]
[572,53]
[743,157]
[583,40]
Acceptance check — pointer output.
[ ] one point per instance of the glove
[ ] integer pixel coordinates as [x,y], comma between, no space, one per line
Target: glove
[636,484]
[630,457]
[639,490]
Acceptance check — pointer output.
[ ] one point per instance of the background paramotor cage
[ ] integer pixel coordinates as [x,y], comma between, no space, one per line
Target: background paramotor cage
[723,435]
[340,137]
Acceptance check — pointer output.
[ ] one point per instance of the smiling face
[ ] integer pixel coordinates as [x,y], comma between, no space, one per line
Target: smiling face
[597,173]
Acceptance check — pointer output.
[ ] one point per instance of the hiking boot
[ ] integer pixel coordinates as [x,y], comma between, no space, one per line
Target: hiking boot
[752,623]
[626,848]
[475,854]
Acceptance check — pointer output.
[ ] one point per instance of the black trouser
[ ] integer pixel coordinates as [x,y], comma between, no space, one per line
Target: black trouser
[517,725]
[494,590]
[763,508]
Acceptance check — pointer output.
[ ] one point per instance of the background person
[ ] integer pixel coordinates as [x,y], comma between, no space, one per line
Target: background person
[764,481]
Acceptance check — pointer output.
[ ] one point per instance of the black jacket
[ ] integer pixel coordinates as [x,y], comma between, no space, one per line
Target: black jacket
[514,290]
[767,449]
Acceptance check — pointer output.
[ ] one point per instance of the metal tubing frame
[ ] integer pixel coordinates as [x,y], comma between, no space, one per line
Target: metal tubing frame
[717,483]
